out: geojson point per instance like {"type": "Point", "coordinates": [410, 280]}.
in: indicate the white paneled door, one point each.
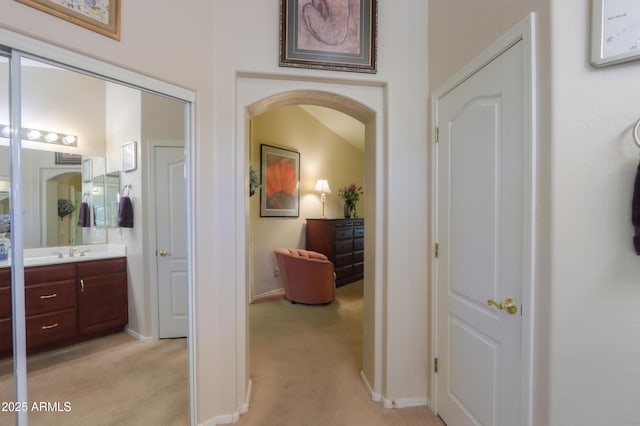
{"type": "Point", "coordinates": [171, 240]}
{"type": "Point", "coordinates": [482, 226]}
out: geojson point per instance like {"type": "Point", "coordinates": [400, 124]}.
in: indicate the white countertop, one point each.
{"type": "Point", "coordinates": [49, 256]}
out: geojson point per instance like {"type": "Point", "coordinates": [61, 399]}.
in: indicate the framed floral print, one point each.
{"type": "Point", "coordinates": [280, 191]}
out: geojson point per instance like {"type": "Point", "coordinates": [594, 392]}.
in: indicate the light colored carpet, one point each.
{"type": "Point", "coordinates": [113, 380]}
{"type": "Point", "coordinates": [305, 364]}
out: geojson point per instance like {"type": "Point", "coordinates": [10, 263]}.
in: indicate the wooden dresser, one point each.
{"type": "Point", "coordinates": [342, 241]}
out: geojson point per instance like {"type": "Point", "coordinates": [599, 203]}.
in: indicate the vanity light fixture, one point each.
{"type": "Point", "coordinates": [44, 136]}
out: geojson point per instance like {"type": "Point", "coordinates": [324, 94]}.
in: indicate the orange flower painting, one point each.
{"type": "Point", "coordinates": [280, 172]}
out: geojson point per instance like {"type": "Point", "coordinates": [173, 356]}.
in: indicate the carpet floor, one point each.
{"type": "Point", "coordinates": [305, 364]}
{"type": "Point", "coordinates": [113, 380]}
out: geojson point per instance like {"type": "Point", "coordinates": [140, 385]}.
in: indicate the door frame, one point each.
{"type": "Point", "coordinates": [20, 45]}
{"type": "Point", "coordinates": [523, 32]}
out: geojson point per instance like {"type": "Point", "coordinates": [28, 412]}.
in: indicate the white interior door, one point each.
{"type": "Point", "coordinates": [482, 230]}
{"type": "Point", "coordinates": [171, 240]}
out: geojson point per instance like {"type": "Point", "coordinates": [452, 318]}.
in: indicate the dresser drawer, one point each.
{"type": "Point", "coordinates": [343, 273]}
{"type": "Point", "coordinates": [358, 256]}
{"type": "Point", "coordinates": [343, 233]}
{"type": "Point", "coordinates": [43, 298]}
{"type": "Point", "coordinates": [358, 232]}
{"type": "Point", "coordinates": [358, 268]}
{"type": "Point", "coordinates": [345, 246]}
{"type": "Point", "coordinates": [358, 244]}
{"type": "Point", "coordinates": [50, 328]}
{"type": "Point", "coordinates": [343, 260]}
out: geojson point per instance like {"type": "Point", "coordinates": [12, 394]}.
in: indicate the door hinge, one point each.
{"type": "Point", "coordinates": [437, 249]}
{"type": "Point", "coordinates": [435, 365]}
{"type": "Point", "coordinates": [437, 135]}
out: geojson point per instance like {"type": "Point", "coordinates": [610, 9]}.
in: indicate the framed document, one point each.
{"type": "Point", "coordinates": [615, 31]}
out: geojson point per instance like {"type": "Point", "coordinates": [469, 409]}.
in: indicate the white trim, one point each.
{"type": "Point", "coordinates": [525, 32]}
{"type": "Point", "coordinates": [373, 395]}
{"type": "Point", "coordinates": [138, 336]}
{"type": "Point", "coordinates": [247, 402]}
{"type": "Point", "coordinates": [276, 292]}
{"type": "Point", "coordinates": [410, 402]}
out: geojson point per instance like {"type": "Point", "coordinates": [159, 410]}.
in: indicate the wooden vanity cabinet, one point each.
{"type": "Point", "coordinates": [5, 310]}
{"type": "Point", "coordinates": [102, 295]}
{"type": "Point", "coordinates": [67, 303]}
{"type": "Point", "coordinates": [51, 307]}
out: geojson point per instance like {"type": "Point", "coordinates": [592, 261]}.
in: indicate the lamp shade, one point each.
{"type": "Point", "coordinates": [322, 186]}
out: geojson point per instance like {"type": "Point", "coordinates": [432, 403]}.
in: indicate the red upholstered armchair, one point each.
{"type": "Point", "coordinates": [307, 276]}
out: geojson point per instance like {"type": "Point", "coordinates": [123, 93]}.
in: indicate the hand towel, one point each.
{"type": "Point", "coordinates": [84, 219]}
{"type": "Point", "coordinates": [635, 212]}
{"type": "Point", "coordinates": [125, 213]}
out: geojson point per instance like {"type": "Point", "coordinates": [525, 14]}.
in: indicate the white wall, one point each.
{"type": "Point", "coordinates": [595, 280]}
{"type": "Point", "coordinates": [200, 36]}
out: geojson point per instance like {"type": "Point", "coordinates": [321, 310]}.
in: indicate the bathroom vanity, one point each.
{"type": "Point", "coordinates": [67, 299]}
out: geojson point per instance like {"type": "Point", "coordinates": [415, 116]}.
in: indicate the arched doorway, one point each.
{"type": "Point", "coordinates": [256, 95]}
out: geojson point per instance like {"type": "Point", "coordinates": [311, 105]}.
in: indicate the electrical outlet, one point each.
{"type": "Point", "coordinates": [276, 272]}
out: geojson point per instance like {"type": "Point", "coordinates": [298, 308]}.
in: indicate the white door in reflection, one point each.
{"type": "Point", "coordinates": [171, 240]}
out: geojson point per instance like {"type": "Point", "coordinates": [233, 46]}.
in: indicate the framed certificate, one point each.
{"type": "Point", "coordinates": [615, 31]}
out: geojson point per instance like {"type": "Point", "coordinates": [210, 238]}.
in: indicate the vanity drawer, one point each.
{"type": "Point", "coordinates": [43, 298]}
{"type": "Point", "coordinates": [102, 267]}
{"type": "Point", "coordinates": [51, 328]}
{"type": "Point", "coordinates": [49, 274]}
{"type": "Point", "coordinates": [5, 302]}
{"type": "Point", "coordinates": [5, 277]}
{"type": "Point", "coordinates": [6, 335]}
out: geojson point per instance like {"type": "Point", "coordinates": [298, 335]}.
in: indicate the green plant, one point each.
{"type": "Point", "coordinates": [65, 207]}
{"type": "Point", "coordinates": [254, 180]}
{"type": "Point", "coordinates": [350, 194]}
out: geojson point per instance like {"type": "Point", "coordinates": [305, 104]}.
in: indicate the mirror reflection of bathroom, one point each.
{"type": "Point", "coordinates": [59, 175]}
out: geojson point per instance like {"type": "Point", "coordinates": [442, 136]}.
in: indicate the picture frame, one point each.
{"type": "Point", "coordinates": [87, 170]}
{"type": "Point", "coordinates": [129, 156]}
{"type": "Point", "coordinates": [101, 16]}
{"type": "Point", "coordinates": [62, 158]}
{"type": "Point", "coordinates": [342, 39]}
{"type": "Point", "coordinates": [615, 31]}
{"type": "Point", "coordinates": [280, 175]}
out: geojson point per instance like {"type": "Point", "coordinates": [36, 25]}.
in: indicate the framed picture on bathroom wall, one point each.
{"type": "Point", "coordinates": [129, 156]}
{"type": "Point", "coordinates": [338, 35]}
{"type": "Point", "coordinates": [280, 173]}
{"type": "Point", "coordinates": [101, 16]}
{"type": "Point", "coordinates": [70, 159]}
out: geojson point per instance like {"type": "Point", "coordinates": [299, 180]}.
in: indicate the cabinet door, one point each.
{"type": "Point", "coordinates": [102, 302]}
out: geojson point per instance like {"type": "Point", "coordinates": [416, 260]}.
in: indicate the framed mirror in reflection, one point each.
{"type": "Point", "coordinates": [52, 195]}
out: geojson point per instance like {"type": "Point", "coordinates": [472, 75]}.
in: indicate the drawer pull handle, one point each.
{"type": "Point", "coordinates": [48, 296]}
{"type": "Point", "coordinates": [81, 286]}
{"type": "Point", "coordinates": [48, 327]}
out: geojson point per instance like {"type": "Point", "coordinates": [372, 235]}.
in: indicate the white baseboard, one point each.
{"type": "Point", "coordinates": [276, 292]}
{"type": "Point", "coordinates": [388, 403]}
{"type": "Point", "coordinates": [231, 418]}
{"type": "Point", "coordinates": [137, 335]}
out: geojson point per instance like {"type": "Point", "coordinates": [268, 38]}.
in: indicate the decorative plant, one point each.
{"type": "Point", "coordinates": [350, 194]}
{"type": "Point", "coordinates": [5, 223]}
{"type": "Point", "coordinates": [254, 181]}
{"type": "Point", "coordinates": [65, 207]}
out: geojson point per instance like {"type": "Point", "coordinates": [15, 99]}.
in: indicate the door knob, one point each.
{"type": "Point", "coordinates": [508, 305]}
{"type": "Point", "coordinates": [164, 253]}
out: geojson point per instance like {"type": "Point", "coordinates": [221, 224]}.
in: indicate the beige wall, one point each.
{"type": "Point", "coordinates": [323, 155]}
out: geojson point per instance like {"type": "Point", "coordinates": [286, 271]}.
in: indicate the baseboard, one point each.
{"type": "Point", "coordinates": [373, 395]}
{"type": "Point", "coordinates": [276, 292]}
{"type": "Point", "coordinates": [231, 418]}
{"type": "Point", "coordinates": [137, 335]}
{"type": "Point", "coordinates": [388, 403]}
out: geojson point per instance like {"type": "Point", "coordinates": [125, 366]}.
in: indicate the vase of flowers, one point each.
{"type": "Point", "coordinates": [351, 195]}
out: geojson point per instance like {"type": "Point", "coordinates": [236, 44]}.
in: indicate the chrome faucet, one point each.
{"type": "Point", "coordinates": [84, 251]}
{"type": "Point", "coordinates": [58, 254]}
{"type": "Point", "coordinates": [72, 251]}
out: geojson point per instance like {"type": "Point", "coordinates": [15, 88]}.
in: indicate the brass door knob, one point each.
{"type": "Point", "coordinates": [164, 253]}
{"type": "Point", "coordinates": [508, 305]}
